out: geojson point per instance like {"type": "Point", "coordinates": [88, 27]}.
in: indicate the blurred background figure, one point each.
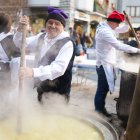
{"type": "Point", "coordinates": [87, 39]}
{"type": "Point", "coordinates": [8, 50]}
{"type": "Point", "coordinates": [133, 42]}
{"type": "Point", "coordinates": [78, 45]}
{"type": "Point", "coordinates": [9, 58]}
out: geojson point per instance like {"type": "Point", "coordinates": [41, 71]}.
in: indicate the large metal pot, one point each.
{"type": "Point", "coordinates": [129, 73]}
{"type": "Point", "coordinates": [104, 129]}
{"type": "Point", "coordinates": [107, 130]}
{"type": "Point", "coordinates": [34, 119]}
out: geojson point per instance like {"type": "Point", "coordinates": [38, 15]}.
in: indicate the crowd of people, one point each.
{"type": "Point", "coordinates": [55, 51]}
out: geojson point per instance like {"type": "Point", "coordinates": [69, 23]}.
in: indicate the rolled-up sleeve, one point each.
{"type": "Point", "coordinates": [122, 29]}
{"type": "Point", "coordinates": [111, 39]}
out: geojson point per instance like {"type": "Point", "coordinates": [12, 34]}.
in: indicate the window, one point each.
{"type": "Point", "coordinates": [133, 11]}
{"type": "Point", "coordinates": [137, 11]}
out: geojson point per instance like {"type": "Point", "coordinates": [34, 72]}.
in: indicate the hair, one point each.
{"type": "Point", "coordinates": [114, 20]}
{"type": "Point", "coordinates": [138, 29]}
{"type": "Point", "coordinates": [5, 22]}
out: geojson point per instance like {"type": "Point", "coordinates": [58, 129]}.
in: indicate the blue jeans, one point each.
{"type": "Point", "coordinates": [102, 89]}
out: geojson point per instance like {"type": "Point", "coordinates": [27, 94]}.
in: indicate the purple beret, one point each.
{"type": "Point", "coordinates": [57, 14]}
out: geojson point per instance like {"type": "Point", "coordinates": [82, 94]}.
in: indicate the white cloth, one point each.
{"type": "Point", "coordinates": [109, 71]}
{"type": "Point", "coordinates": [59, 65]}
{"type": "Point", "coordinates": [106, 46]}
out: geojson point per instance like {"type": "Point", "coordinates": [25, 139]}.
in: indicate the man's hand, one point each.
{"type": "Point", "coordinates": [24, 20]}
{"type": "Point", "coordinates": [25, 72]}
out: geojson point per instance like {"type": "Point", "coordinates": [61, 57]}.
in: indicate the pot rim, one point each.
{"type": "Point", "coordinates": [105, 128]}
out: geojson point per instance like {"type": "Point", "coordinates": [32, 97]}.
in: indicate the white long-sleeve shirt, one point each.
{"type": "Point", "coordinates": [58, 67]}
{"type": "Point", "coordinates": [107, 43]}
{"type": "Point", "coordinates": [106, 46]}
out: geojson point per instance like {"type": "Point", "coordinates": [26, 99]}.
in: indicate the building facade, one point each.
{"type": "Point", "coordinates": [12, 7]}
{"type": "Point", "coordinates": [132, 8]}
{"type": "Point", "coordinates": [83, 15]}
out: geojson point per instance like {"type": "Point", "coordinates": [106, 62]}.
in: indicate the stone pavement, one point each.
{"type": "Point", "coordinates": [85, 90]}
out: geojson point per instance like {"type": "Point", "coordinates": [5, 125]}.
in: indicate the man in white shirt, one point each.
{"type": "Point", "coordinates": [54, 57]}
{"type": "Point", "coordinates": [106, 46]}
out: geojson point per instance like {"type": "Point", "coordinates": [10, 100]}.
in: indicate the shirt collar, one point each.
{"type": "Point", "coordinates": [60, 36]}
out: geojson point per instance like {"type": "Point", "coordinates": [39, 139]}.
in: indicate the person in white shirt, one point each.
{"type": "Point", "coordinates": [8, 53]}
{"type": "Point", "coordinates": [9, 56]}
{"type": "Point", "coordinates": [106, 46]}
{"type": "Point", "coordinates": [54, 55]}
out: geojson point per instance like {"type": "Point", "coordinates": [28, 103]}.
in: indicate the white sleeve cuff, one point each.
{"type": "Point", "coordinates": [36, 72]}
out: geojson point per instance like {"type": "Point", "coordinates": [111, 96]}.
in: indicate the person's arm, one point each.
{"type": "Point", "coordinates": [58, 67]}
{"type": "Point", "coordinates": [31, 42]}
{"type": "Point", "coordinates": [122, 29]}
{"type": "Point", "coordinates": [111, 39]}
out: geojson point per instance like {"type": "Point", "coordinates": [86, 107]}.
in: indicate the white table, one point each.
{"type": "Point", "coordinates": [82, 66]}
{"type": "Point", "coordinates": [83, 61]}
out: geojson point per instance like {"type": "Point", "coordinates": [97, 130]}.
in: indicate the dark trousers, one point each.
{"type": "Point", "coordinates": [102, 89]}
